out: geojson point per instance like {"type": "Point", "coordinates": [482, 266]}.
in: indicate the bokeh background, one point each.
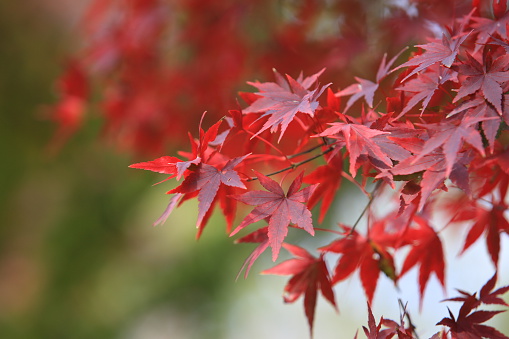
{"type": "Point", "coordinates": [80, 259]}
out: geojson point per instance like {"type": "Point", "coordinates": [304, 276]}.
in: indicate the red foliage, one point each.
{"type": "Point", "coordinates": [435, 122]}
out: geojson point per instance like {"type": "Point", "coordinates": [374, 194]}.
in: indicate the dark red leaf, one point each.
{"type": "Point", "coordinates": [310, 274]}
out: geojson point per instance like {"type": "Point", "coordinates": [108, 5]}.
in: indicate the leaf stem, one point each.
{"type": "Point", "coordinates": [297, 164]}
{"type": "Point", "coordinates": [306, 151]}
{"type": "Point", "coordinates": [371, 197]}
{"type": "Point", "coordinates": [410, 323]}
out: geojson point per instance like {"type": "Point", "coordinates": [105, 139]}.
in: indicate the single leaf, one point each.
{"type": "Point", "coordinates": [310, 274]}
{"type": "Point", "coordinates": [443, 52]}
{"type": "Point", "coordinates": [258, 236]}
{"type": "Point", "coordinates": [359, 252]}
{"type": "Point", "coordinates": [488, 77]}
{"type": "Point", "coordinates": [281, 209]}
{"type": "Point", "coordinates": [329, 178]}
{"type": "Point", "coordinates": [424, 87]}
{"type": "Point", "coordinates": [426, 252]}
{"type": "Point", "coordinates": [366, 88]}
{"type": "Point", "coordinates": [360, 140]}
{"type": "Point", "coordinates": [207, 179]}
{"type": "Point", "coordinates": [281, 101]}
{"type": "Point", "coordinates": [167, 165]}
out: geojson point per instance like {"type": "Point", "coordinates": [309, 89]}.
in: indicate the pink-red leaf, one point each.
{"type": "Point", "coordinates": [278, 208]}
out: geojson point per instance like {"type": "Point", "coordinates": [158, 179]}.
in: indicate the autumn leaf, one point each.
{"type": "Point", "coordinates": [450, 135]}
{"type": "Point", "coordinates": [329, 178]}
{"type": "Point", "coordinates": [478, 107]}
{"type": "Point", "coordinates": [366, 88]}
{"type": "Point", "coordinates": [489, 220]}
{"type": "Point", "coordinates": [424, 86]}
{"type": "Point", "coordinates": [488, 77]}
{"type": "Point", "coordinates": [375, 331]}
{"type": "Point", "coordinates": [309, 274]}
{"type": "Point", "coordinates": [258, 236]}
{"type": "Point", "coordinates": [468, 324]}
{"type": "Point", "coordinates": [281, 209]}
{"type": "Point", "coordinates": [443, 52]}
{"type": "Point", "coordinates": [360, 140]}
{"type": "Point", "coordinates": [485, 28]}
{"type": "Point", "coordinates": [207, 179]}
{"type": "Point", "coordinates": [281, 101]}
{"type": "Point", "coordinates": [359, 252]}
{"type": "Point", "coordinates": [486, 295]}
{"type": "Point", "coordinates": [426, 252]}
{"type": "Point", "coordinates": [167, 165]}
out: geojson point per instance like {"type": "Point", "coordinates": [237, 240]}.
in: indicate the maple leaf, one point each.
{"type": "Point", "coordinates": [487, 77]}
{"type": "Point", "coordinates": [486, 296]}
{"type": "Point", "coordinates": [443, 52]}
{"type": "Point", "coordinates": [375, 331]}
{"type": "Point", "coordinates": [281, 101]}
{"type": "Point", "coordinates": [489, 220]}
{"type": "Point", "coordinates": [468, 325]}
{"type": "Point", "coordinates": [310, 274]}
{"type": "Point", "coordinates": [485, 28]}
{"type": "Point", "coordinates": [424, 87]}
{"type": "Point", "coordinates": [258, 236]}
{"type": "Point", "coordinates": [479, 108]}
{"type": "Point", "coordinates": [279, 208]}
{"type": "Point", "coordinates": [450, 136]}
{"type": "Point", "coordinates": [329, 178]}
{"type": "Point", "coordinates": [430, 170]}
{"type": "Point", "coordinates": [207, 179]}
{"type": "Point", "coordinates": [426, 251]}
{"type": "Point", "coordinates": [366, 88]}
{"type": "Point", "coordinates": [359, 141]}
{"type": "Point", "coordinates": [167, 165]}
{"type": "Point", "coordinates": [359, 252]}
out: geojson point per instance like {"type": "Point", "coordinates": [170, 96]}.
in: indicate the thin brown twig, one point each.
{"type": "Point", "coordinates": [306, 151]}
{"type": "Point", "coordinates": [371, 197]}
{"type": "Point", "coordinates": [297, 164]}
{"type": "Point", "coordinates": [410, 323]}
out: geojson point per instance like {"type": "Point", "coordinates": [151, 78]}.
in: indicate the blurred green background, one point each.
{"type": "Point", "coordinates": [78, 255]}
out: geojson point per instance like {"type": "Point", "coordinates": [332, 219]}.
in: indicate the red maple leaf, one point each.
{"type": "Point", "coordinates": [486, 294]}
{"type": "Point", "coordinates": [469, 325]}
{"type": "Point", "coordinates": [488, 219]}
{"type": "Point", "coordinates": [167, 165]}
{"type": "Point", "coordinates": [443, 52]}
{"type": "Point", "coordinates": [375, 331]}
{"type": "Point", "coordinates": [258, 236]}
{"type": "Point", "coordinates": [281, 101]}
{"type": "Point", "coordinates": [424, 86]}
{"type": "Point", "coordinates": [488, 77]}
{"type": "Point", "coordinates": [426, 251]}
{"type": "Point", "coordinates": [486, 28]}
{"type": "Point", "coordinates": [360, 140]}
{"type": "Point", "coordinates": [478, 107]}
{"type": "Point", "coordinates": [363, 253]}
{"type": "Point", "coordinates": [207, 179]}
{"type": "Point", "coordinates": [329, 178]}
{"type": "Point", "coordinates": [279, 208]}
{"type": "Point", "coordinates": [310, 274]}
{"type": "Point", "coordinates": [450, 135]}
{"type": "Point", "coordinates": [366, 88]}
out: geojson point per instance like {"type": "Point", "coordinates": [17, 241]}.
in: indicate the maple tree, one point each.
{"type": "Point", "coordinates": [431, 130]}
